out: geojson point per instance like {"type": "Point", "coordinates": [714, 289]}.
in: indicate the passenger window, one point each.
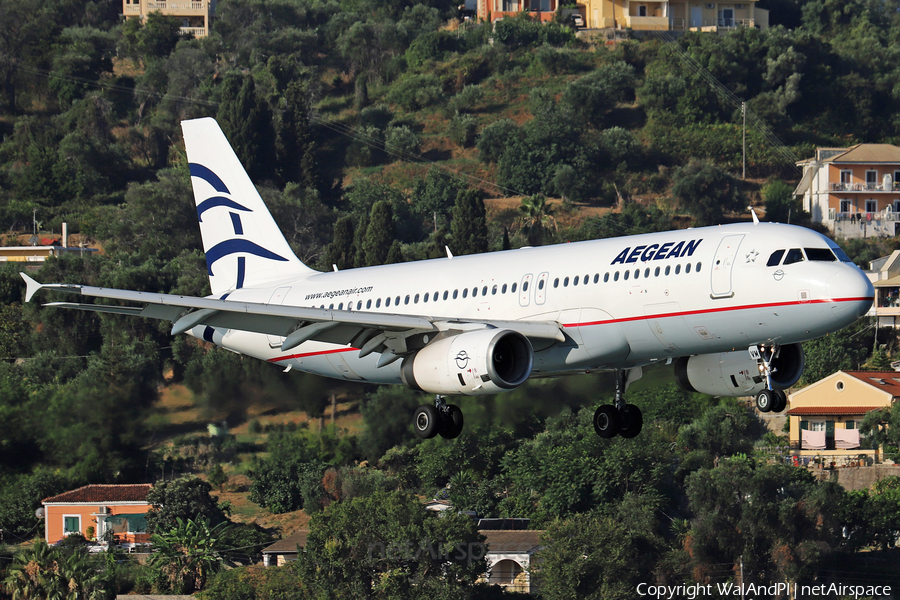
{"type": "Point", "coordinates": [341, 306]}
{"type": "Point", "coordinates": [819, 254]}
{"type": "Point", "coordinates": [775, 258]}
{"type": "Point", "coordinates": [387, 302]}
{"type": "Point", "coordinates": [524, 286]}
{"type": "Point", "coordinates": [407, 299]}
{"type": "Point", "coordinates": [513, 288]}
{"type": "Point", "coordinates": [484, 291]}
{"type": "Point", "coordinates": [596, 277]}
{"type": "Point", "coordinates": [698, 267]}
{"type": "Point", "coordinates": [474, 292]}
{"type": "Point", "coordinates": [446, 293]}
{"type": "Point", "coordinates": [656, 272]}
{"type": "Point", "coordinates": [575, 281]}
{"type": "Point", "coordinates": [455, 294]}
{"type": "Point", "coordinates": [637, 273]}
{"type": "Point", "coordinates": [556, 282]}
{"type": "Point", "coordinates": [668, 269]}
{"type": "Point", "coordinates": [465, 292]}
{"type": "Point", "coordinates": [616, 276]}
{"type": "Point", "coordinates": [586, 279]}
{"type": "Point", "coordinates": [541, 284]}
{"type": "Point", "coordinates": [794, 255]}
{"type": "Point", "coordinates": [330, 306]}
{"type": "Point", "coordinates": [425, 297]}
{"type": "Point", "coordinates": [605, 277]}
{"type": "Point", "coordinates": [566, 282]}
{"type": "Point", "coordinates": [687, 268]}
{"type": "Point", "coordinates": [435, 297]}
{"type": "Point", "coordinates": [627, 275]}
{"type": "Point", "coordinates": [503, 289]}
{"type": "Point", "coordinates": [494, 290]}
{"type": "Point", "coordinates": [677, 269]}
{"type": "Point", "coordinates": [646, 272]}
{"type": "Point", "coordinates": [397, 301]}
{"type": "Point", "coordinates": [359, 305]}
{"type": "Point", "coordinates": [416, 299]}
{"type": "Point", "coordinates": [378, 303]}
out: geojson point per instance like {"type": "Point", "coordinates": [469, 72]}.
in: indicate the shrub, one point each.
{"type": "Point", "coordinates": [415, 92]}
{"type": "Point", "coordinates": [518, 31]}
{"type": "Point", "coordinates": [466, 99]}
{"type": "Point", "coordinates": [494, 138]}
{"type": "Point", "coordinates": [462, 130]}
{"type": "Point", "coordinates": [367, 148]}
{"type": "Point", "coordinates": [375, 116]}
{"type": "Point", "coordinates": [434, 45]}
{"type": "Point", "coordinates": [401, 142]}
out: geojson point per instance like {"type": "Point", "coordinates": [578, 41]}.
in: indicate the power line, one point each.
{"type": "Point", "coordinates": [728, 96]}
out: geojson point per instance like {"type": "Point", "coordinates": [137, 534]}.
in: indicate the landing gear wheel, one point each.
{"type": "Point", "coordinates": [631, 421]}
{"type": "Point", "coordinates": [452, 423]}
{"type": "Point", "coordinates": [426, 421]}
{"type": "Point", "coordinates": [780, 401]}
{"type": "Point", "coordinates": [607, 422]}
{"type": "Point", "coordinates": [765, 400]}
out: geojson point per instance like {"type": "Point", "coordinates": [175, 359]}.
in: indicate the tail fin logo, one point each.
{"type": "Point", "coordinates": [236, 245]}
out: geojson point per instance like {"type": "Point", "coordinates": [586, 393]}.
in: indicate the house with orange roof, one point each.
{"type": "Point", "coordinates": [853, 191]}
{"type": "Point", "coordinates": [825, 416]}
{"type": "Point", "coordinates": [94, 510]}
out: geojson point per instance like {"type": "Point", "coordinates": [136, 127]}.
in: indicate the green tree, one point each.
{"type": "Point", "coordinates": [385, 546]}
{"type": "Point", "coordinates": [174, 502]}
{"type": "Point", "coordinates": [468, 227]}
{"type": "Point", "coordinates": [185, 556]}
{"type": "Point", "coordinates": [536, 218]}
{"type": "Point", "coordinates": [295, 149]}
{"type": "Point", "coordinates": [781, 204]}
{"type": "Point", "coordinates": [341, 251]}
{"type": "Point", "coordinates": [247, 123]}
{"type": "Point", "coordinates": [379, 234]}
{"type": "Point", "coordinates": [706, 191]}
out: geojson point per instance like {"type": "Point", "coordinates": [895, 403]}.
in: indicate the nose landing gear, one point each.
{"type": "Point", "coordinates": [440, 418]}
{"type": "Point", "coordinates": [768, 399]}
{"type": "Point", "coordinates": [622, 419]}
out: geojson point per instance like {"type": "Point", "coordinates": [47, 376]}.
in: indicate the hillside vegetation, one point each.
{"type": "Point", "coordinates": [382, 131]}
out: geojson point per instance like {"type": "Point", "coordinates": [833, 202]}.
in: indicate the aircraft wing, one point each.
{"type": "Point", "coordinates": [368, 330]}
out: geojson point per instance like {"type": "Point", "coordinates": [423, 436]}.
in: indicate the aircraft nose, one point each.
{"type": "Point", "coordinates": [851, 289]}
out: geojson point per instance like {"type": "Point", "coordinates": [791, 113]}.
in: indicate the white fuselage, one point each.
{"type": "Point", "coordinates": [623, 302]}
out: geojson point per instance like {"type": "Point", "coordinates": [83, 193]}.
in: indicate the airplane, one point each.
{"type": "Point", "coordinates": [728, 305]}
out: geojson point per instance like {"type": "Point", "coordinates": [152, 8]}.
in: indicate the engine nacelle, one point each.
{"type": "Point", "coordinates": [474, 363]}
{"type": "Point", "coordinates": [736, 374]}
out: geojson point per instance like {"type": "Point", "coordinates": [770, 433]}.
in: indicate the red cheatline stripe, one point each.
{"type": "Point", "coordinates": [712, 310]}
{"type": "Point", "coordinates": [305, 354]}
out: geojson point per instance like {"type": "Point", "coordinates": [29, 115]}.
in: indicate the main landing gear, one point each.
{"type": "Point", "coordinates": [440, 418]}
{"type": "Point", "coordinates": [622, 419]}
{"type": "Point", "coordinates": [769, 399]}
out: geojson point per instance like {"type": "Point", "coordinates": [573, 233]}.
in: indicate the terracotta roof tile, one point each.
{"type": "Point", "coordinates": [99, 494]}
{"type": "Point", "coordinates": [831, 410]}
{"type": "Point", "coordinates": [888, 381]}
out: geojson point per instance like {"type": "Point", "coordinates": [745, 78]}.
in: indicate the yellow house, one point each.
{"type": "Point", "coordinates": [195, 15]}
{"type": "Point", "coordinates": [673, 15]}
{"type": "Point", "coordinates": [825, 416]}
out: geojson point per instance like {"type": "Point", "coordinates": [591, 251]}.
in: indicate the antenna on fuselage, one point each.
{"type": "Point", "coordinates": [755, 218]}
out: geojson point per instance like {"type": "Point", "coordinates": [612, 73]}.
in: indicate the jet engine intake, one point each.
{"type": "Point", "coordinates": [736, 374]}
{"type": "Point", "coordinates": [474, 363]}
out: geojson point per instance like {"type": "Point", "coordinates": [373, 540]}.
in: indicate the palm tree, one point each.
{"type": "Point", "coordinates": [536, 216]}
{"type": "Point", "coordinates": [186, 555]}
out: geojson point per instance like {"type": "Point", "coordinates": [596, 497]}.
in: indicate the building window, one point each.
{"type": "Point", "coordinates": [817, 425]}
{"type": "Point", "coordinates": [871, 206]}
{"type": "Point", "coordinates": [71, 524]}
{"type": "Point", "coordinates": [871, 179]}
{"type": "Point", "coordinates": [846, 177]}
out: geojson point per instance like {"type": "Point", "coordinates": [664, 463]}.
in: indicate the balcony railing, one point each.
{"type": "Point", "coordinates": [198, 32]}
{"type": "Point", "coordinates": [724, 23]}
{"type": "Point", "coordinates": [865, 187]}
{"type": "Point", "coordinates": [183, 5]}
{"type": "Point", "coordinates": [883, 215]}
{"type": "Point", "coordinates": [132, 9]}
{"type": "Point", "coordinates": [656, 23]}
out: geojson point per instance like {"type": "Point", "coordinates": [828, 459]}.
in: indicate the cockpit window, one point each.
{"type": "Point", "coordinates": [819, 254]}
{"type": "Point", "coordinates": [775, 258]}
{"type": "Point", "coordinates": [842, 256]}
{"type": "Point", "coordinates": [794, 255]}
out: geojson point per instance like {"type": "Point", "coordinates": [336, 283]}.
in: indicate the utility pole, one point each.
{"type": "Point", "coordinates": [742, 577]}
{"type": "Point", "coordinates": [744, 138]}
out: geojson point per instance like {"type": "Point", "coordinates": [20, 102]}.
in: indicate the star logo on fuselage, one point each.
{"type": "Point", "coordinates": [751, 256]}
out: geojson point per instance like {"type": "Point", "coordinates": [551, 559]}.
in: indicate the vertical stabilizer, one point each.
{"type": "Point", "coordinates": [243, 245]}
